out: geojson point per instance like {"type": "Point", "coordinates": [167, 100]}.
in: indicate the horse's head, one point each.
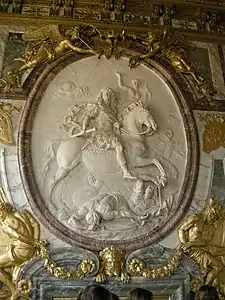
{"type": "Point", "coordinates": [143, 116]}
{"type": "Point", "coordinates": [137, 113]}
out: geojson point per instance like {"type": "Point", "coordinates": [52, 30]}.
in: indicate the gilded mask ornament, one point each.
{"type": "Point", "coordinates": [112, 264]}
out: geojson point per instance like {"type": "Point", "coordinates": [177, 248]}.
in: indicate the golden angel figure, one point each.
{"type": "Point", "coordinates": [50, 44]}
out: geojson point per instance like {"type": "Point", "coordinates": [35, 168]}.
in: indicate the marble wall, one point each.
{"type": "Point", "coordinates": [210, 182]}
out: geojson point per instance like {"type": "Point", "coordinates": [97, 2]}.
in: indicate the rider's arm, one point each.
{"type": "Point", "coordinates": [85, 122]}
{"type": "Point", "coordinates": [77, 49]}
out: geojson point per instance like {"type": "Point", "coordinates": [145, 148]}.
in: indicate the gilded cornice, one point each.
{"type": "Point", "coordinates": [198, 20]}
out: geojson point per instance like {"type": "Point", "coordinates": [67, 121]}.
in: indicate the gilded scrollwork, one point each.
{"type": "Point", "coordinates": [214, 132]}
{"type": "Point", "coordinates": [11, 81]}
{"type": "Point", "coordinates": [202, 238]}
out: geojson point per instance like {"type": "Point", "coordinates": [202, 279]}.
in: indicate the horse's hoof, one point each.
{"type": "Point", "coordinates": [129, 176]}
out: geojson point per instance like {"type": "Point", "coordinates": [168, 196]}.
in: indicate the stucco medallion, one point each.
{"type": "Point", "coordinates": [108, 155]}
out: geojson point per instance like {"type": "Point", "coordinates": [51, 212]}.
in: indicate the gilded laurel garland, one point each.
{"type": "Point", "coordinates": [137, 267]}
{"type": "Point", "coordinates": [48, 42]}
{"type": "Point", "coordinates": [87, 266]}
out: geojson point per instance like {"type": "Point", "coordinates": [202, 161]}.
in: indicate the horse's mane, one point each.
{"type": "Point", "coordinates": [130, 107]}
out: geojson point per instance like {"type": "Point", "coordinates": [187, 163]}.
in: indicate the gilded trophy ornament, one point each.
{"type": "Point", "coordinates": [112, 264]}
{"type": "Point", "coordinates": [113, 44]}
{"type": "Point", "coordinates": [202, 238]}
{"type": "Point", "coordinates": [214, 132]}
{"type": "Point", "coordinates": [22, 233]}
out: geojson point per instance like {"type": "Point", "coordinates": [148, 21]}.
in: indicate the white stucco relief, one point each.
{"type": "Point", "coordinates": [108, 154]}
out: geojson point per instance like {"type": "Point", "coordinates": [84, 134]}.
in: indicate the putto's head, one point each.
{"type": "Point", "coordinates": [136, 84]}
{"type": "Point", "coordinates": [75, 33]}
{"type": "Point", "coordinates": [213, 211]}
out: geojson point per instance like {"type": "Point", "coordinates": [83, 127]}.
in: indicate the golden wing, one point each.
{"type": "Point", "coordinates": [42, 33]}
{"type": "Point", "coordinates": [6, 130]}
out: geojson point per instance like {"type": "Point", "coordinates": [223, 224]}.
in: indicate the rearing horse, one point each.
{"type": "Point", "coordinates": [71, 151]}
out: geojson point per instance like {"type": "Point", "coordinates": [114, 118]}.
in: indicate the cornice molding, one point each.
{"type": "Point", "coordinates": [198, 20]}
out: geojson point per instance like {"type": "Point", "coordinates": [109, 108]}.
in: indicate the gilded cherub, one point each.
{"type": "Point", "coordinates": [155, 46]}
{"type": "Point", "coordinates": [172, 47]}
{"type": "Point", "coordinates": [202, 238]}
{"type": "Point", "coordinates": [50, 45]}
{"type": "Point", "coordinates": [24, 233]}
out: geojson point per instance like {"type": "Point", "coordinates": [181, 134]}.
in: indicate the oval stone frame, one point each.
{"type": "Point", "coordinates": [38, 82]}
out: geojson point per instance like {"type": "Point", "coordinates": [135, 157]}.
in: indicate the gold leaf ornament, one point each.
{"type": "Point", "coordinates": [24, 288]}
{"type": "Point", "coordinates": [6, 128]}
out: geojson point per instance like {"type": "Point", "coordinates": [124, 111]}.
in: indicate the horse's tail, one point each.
{"type": "Point", "coordinates": [50, 151]}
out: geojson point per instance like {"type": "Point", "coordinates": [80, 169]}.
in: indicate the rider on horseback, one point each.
{"type": "Point", "coordinates": [107, 127]}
